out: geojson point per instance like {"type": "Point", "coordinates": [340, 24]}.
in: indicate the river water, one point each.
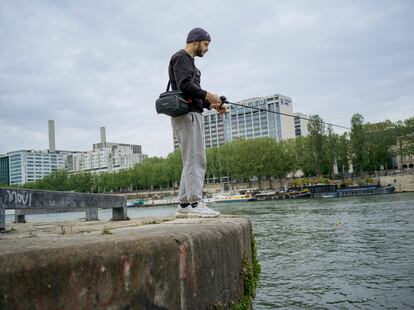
{"type": "Point", "coordinates": [332, 253]}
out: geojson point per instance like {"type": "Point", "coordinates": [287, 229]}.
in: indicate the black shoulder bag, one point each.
{"type": "Point", "coordinates": [172, 103]}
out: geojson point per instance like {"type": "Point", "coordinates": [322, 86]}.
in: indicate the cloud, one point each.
{"type": "Point", "coordinates": [101, 63]}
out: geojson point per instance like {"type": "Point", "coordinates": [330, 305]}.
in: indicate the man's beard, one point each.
{"type": "Point", "coordinates": [199, 52]}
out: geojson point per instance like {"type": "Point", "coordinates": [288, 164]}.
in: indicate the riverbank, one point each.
{"type": "Point", "coordinates": [403, 182]}
{"type": "Point", "coordinates": [153, 263]}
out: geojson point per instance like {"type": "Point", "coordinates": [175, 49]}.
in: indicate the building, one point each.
{"type": "Point", "coordinates": [404, 162]}
{"type": "Point", "coordinates": [243, 122]}
{"type": "Point", "coordinates": [30, 165]}
{"type": "Point", "coordinates": [4, 170]}
{"type": "Point", "coordinates": [301, 125]}
{"type": "Point", "coordinates": [246, 123]}
{"type": "Point", "coordinates": [105, 157]}
{"type": "Point", "coordinates": [404, 158]}
{"type": "Point", "coordinates": [213, 129]}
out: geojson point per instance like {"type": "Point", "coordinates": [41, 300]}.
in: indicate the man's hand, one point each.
{"type": "Point", "coordinates": [213, 98]}
{"type": "Point", "coordinates": [219, 107]}
{"type": "Point", "coordinates": [215, 103]}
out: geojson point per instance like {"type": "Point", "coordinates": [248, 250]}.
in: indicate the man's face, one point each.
{"type": "Point", "coordinates": [201, 48]}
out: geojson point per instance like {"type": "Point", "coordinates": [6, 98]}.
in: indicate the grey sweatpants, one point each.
{"type": "Point", "coordinates": [189, 130]}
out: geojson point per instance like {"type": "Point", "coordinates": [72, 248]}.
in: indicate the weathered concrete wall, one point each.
{"type": "Point", "coordinates": [403, 182]}
{"type": "Point", "coordinates": [176, 264]}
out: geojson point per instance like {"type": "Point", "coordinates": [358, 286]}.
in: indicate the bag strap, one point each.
{"type": "Point", "coordinates": [168, 85]}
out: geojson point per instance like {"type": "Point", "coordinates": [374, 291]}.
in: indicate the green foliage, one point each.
{"type": "Point", "coordinates": [358, 141]}
{"type": "Point", "coordinates": [106, 231]}
{"type": "Point", "coordinates": [316, 140]}
{"type": "Point", "coordinates": [369, 147]}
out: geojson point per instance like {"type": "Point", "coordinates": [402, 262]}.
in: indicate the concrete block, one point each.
{"type": "Point", "coordinates": [91, 214]}
{"type": "Point", "coordinates": [170, 264]}
{"type": "Point", "coordinates": [2, 217]}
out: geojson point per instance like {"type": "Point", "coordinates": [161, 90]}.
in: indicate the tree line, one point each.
{"type": "Point", "coordinates": [368, 147]}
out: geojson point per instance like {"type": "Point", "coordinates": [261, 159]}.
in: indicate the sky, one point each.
{"type": "Point", "coordinates": [88, 64]}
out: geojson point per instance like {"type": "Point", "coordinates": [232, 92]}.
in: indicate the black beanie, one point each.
{"type": "Point", "coordinates": [198, 34]}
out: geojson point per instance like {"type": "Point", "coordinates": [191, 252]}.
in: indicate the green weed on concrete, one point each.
{"type": "Point", "coordinates": [250, 276]}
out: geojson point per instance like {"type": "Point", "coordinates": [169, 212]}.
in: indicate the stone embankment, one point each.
{"type": "Point", "coordinates": [403, 182]}
{"type": "Point", "coordinates": [164, 263]}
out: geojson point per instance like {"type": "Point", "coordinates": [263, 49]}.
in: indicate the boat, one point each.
{"type": "Point", "coordinates": [329, 195]}
{"type": "Point", "coordinates": [162, 202]}
{"type": "Point", "coordinates": [266, 195]}
{"type": "Point", "coordinates": [358, 191]}
{"type": "Point", "coordinates": [283, 194]}
{"type": "Point", "coordinates": [232, 198]}
{"type": "Point", "coordinates": [321, 190]}
{"type": "Point", "coordinates": [304, 193]}
{"type": "Point", "coordinates": [365, 190]}
{"type": "Point", "coordinates": [135, 203]}
{"type": "Point", "coordinates": [289, 194]}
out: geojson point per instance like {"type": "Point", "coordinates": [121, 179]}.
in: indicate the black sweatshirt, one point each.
{"type": "Point", "coordinates": [185, 76]}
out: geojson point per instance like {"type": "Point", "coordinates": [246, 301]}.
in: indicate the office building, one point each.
{"type": "Point", "coordinates": [30, 165]}
{"type": "Point", "coordinates": [247, 123]}
{"type": "Point", "coordinates": [4, 170]}
{"type": "Point", "coordinates": [243, 122]}
{"type": "Point", "coordinates": [213, 129]}
{"type": "Point", "coordinates": [301, 125]}
{"type": "Point", "coordinates": [105, 157]}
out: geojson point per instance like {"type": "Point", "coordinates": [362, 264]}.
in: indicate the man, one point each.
{"type": "Point", "coordinates": [189, 128]}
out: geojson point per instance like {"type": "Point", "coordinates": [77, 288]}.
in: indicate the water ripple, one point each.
{"type": "Point", "coordinates": [350, 253]}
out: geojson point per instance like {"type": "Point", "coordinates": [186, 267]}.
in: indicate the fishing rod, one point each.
{"type": "Point", "coordinates": [224, 100]}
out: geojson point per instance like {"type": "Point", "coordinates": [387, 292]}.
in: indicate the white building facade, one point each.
{"type": "Point", "coordinates": [249, 123]}
{"type": "Point", "coordinates": [105, 157]}
{"type": "Point", "coordinates": [243, 122]}
{"type": "Point", "coordinates": [29, 165]}
{"type": "Point", "coordinates": [301, 125]}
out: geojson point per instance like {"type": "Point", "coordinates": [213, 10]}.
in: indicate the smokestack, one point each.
{"type": "Point", "coordinates": [52, 147]}
{"type": "Point", "coordinates": [103, 137]}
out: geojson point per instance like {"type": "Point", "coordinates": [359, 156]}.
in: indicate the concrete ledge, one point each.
{"type": "Point", "coordinates": [140, 264]}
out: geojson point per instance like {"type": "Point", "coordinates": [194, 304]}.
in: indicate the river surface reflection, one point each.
{"type": "Point", "coordinates": [337, 253]}
{"type": "Point", "coordinates": [332, 253]}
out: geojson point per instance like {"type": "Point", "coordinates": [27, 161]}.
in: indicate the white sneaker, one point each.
{"type": "Point", "coordinates": [183, 212]}
{"type": "Point", "coordinates": [202, 211]}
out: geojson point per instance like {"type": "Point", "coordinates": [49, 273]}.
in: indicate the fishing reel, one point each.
{"type": "Point", "coordinates": [223, 100]}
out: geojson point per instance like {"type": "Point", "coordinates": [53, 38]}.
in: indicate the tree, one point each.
{"type": "Point", "coordinates": [173, 167]}
{"type": "Point", "coordinates": [330, 151]}
{"type": "Point", "coordinates": [57, 180]}
{"type": "Point", "coordinates": [316, 130]}
{"type": "Point", "coordinates": [358, 142]}
{"type": "Point", "coordinates": [343, 154]}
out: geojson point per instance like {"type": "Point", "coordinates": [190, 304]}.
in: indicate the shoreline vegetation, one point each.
{"type": "Point", "coordinates": [368, 152]}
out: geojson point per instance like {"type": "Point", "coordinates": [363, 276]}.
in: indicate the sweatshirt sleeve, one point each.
{"type": "Point", "coordinates": [206, 104]}
{"type": "Point", "coordinates": [183, 72]}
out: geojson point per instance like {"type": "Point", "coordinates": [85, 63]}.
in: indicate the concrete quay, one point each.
{"type": "Point", "coordinates": [154, 263]}
{"type": "Point", "coordinates": [403, 182]}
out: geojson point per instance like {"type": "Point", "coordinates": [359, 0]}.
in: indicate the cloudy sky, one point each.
{"type": "Point", "coordinates": [87, 64]}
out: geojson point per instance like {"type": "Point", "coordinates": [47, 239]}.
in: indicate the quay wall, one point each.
{"type": "Point", "coordinates": [157, 264]}
{"type": "Point", "coordinates": [402, 182]}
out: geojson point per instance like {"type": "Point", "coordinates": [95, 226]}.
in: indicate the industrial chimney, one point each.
{"type": "Point", "coordinates": [103, 137]}
{"type": "Point", "coordinates": [52, 147]}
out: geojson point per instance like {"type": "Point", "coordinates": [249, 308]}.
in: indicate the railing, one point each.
{"type": "Point", "coordinates": [39, 201]}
